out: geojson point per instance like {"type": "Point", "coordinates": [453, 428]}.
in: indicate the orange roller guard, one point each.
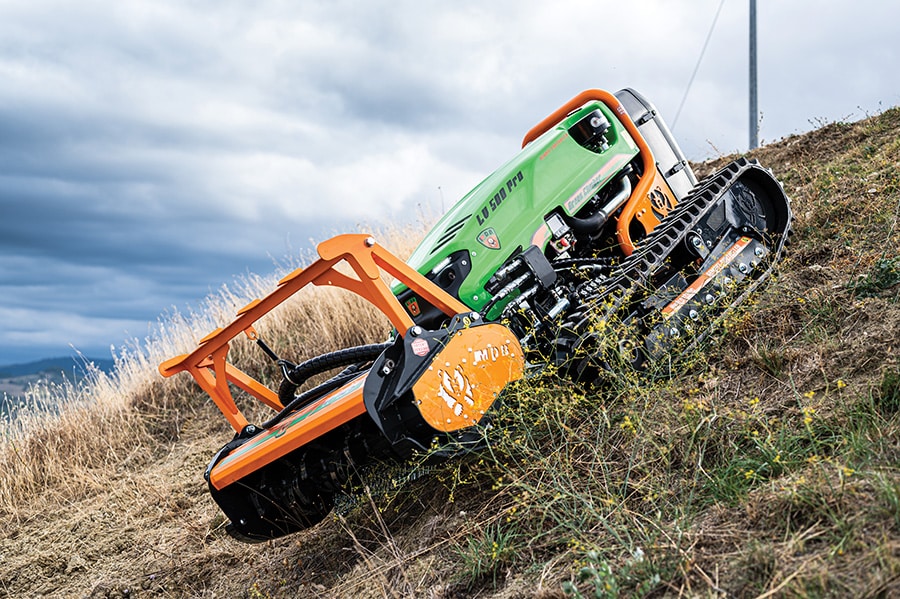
{"type": "Point", "coordinates": [467, 376]}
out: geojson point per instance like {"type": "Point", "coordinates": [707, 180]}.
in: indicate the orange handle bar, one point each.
{"type": "Point", "coordinates": [642, 189]}
{"type": "Point", "coordinates": [208, 365]}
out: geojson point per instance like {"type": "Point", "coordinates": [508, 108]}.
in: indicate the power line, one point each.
{"type": "Point", "coordinates": [754, 110]}
{"type": "Point", "coordinates": [697, 66]}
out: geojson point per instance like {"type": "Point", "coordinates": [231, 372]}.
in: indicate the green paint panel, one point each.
{"type": "Point", "coordinates": [507, 209]}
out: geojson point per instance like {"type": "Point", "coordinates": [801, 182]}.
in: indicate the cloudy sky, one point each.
{"type": "Point", "coordinates": [151, 151]}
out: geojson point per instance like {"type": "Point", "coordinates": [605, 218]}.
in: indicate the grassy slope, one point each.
{"type": "Point", "coordinates": [768, 466]}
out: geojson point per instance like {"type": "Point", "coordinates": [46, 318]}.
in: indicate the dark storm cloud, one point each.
{"type": "Point", "coordinates": [151, 151]}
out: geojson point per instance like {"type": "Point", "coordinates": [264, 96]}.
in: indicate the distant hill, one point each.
{"type": "Point", "coordinates": [65, 364]}
{"type": "Point", "coordinates": [16, 379]}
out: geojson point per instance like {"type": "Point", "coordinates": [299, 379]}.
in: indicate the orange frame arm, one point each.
{"type": "Point", "coordinates": [642, 189]}
{"type": "Point", "coordinates": [208, 364]}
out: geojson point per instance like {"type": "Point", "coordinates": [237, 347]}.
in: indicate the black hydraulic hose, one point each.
{"type": "Point", "coordinates": [299, 374]}
{"type": "Point", "coordinates": [500, 295]}
{"type": "Point", "coordinates": [588, 225]}
{"type": "Point", "coordinates": [591, 224]}
{"type": "Point", "coordinates": [355, 357]}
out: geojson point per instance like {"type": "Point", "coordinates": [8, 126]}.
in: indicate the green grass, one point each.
{"type": "Point", "coordinates": [633, 471]}
{"type": "Point", "coordinates": [884, 275]}
{"type": "Point", "coordinates": [485, 553]}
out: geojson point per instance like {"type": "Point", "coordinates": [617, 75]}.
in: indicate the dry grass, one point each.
{"type": "Point", "coordinates": [766, 466]}
{"type": "Point", "coordinates": [106, 454]}
{"type": "Point", "coordinates": [111, 419]}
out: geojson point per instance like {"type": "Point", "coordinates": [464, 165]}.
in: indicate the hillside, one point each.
{"type": "Point", "coordinates": [766, 466]}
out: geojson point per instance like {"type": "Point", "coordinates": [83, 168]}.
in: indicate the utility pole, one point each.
{"type": "Point", "coordinates": [754, 112]}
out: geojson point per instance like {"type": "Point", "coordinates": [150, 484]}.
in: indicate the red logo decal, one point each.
{"type": "Point", "coordinates": [488, 238]}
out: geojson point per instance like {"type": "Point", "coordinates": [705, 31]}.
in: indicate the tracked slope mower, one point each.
{"type": "Point", "coordinates": [594, 245]}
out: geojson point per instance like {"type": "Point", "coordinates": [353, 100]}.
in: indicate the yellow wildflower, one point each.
{"type": "Point", "coordinates": [807, 415]}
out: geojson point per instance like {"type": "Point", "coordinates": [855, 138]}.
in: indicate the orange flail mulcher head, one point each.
{"type": "Point", "coordinates": [280, 476]}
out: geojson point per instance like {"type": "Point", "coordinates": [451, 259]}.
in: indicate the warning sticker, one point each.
{"type": "Point", "coordinates": [419, 347]}
{"type": "Point", "coordinates": [713, 271]}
